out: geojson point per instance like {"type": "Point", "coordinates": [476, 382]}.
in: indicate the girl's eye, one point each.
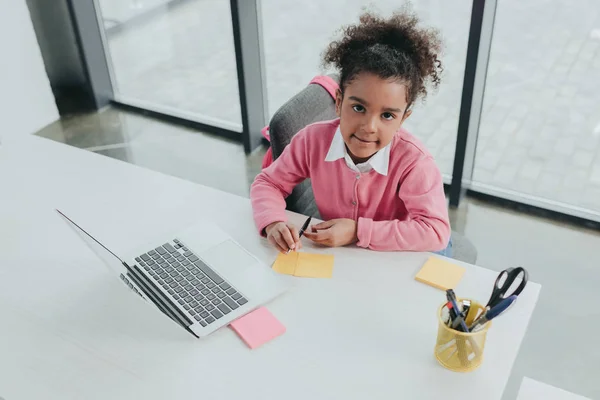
{"type": "Point", "coordinates": [358, 108]}
{"type": "Point", "coordinates": [388, 116]}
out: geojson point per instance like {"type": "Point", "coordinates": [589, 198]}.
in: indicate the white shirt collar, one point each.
{"type": "Point", "coordinates": [379, 161]}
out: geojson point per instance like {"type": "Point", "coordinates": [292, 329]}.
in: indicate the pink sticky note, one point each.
{"type": "Point", "coordinates": [258, 327]}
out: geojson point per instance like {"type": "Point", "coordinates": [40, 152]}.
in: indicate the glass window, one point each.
{"type": "Point", "coordinates": [540, 130]}
{"type": "Point", "coordinates": [175, 57]}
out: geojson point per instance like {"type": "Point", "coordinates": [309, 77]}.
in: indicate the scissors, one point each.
{"type": "Point", "coordinates": [504, 282]}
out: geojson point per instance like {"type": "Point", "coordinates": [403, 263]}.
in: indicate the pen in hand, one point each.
{"type": "Point", "coordinates": [302, 230]}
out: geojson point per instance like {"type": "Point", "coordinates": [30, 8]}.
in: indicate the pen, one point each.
{"type": "Point", "coordinates": [452, 298]}
{"type": "Point", "coordinates": [493, 313]}
{"type": "Point", "coordinates": [304, 228]}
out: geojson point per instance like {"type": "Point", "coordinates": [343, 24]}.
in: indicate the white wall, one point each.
{"type": "Point", "coordinates": [26, 100]}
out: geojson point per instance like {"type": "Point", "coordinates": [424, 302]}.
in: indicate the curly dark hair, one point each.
{"type": "Point", "coordinates": [393, 48]}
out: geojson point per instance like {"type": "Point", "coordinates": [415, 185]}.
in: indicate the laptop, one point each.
{"type": "Point", "coordinates": [200, 277]}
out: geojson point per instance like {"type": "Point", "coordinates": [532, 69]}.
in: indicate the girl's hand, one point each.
{"type": "Point", "coordinates": [333, 233]}
{"type": "Point", "coordinates": [283, 236]}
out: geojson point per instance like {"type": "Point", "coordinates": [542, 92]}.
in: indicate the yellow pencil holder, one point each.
{"type": "Point", "coordinates": [459, 351]}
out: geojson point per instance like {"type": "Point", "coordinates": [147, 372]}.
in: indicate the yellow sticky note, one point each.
{"type": "Point", "coordinates": [440, 274]}
{"type": "Point", "coordinates": [307, 265]}
{"type": "Point", "coordinates": [314, 265]}
{"type": "Point", "coordinates": [286, 263]}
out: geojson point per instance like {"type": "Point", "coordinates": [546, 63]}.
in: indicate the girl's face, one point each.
{"type": "Point", "coordinates": [371, 111]}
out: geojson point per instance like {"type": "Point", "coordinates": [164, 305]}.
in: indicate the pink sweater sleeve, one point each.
{"type": "Point", "coordinates": [276, 182]}
{"type": "Point", "coordinates": [427, 227]}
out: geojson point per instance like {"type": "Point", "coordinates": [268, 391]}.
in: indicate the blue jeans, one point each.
{"type": "Point", "coordinates": [447, 252]}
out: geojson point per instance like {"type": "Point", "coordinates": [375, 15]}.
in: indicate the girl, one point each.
{"type": "Point", "coordinates": [374, 183]}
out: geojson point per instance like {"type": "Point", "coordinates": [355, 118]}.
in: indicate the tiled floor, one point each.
{"type": "Point", "coordinates": [540, 132]}
{"type": "Point", "coordinates": [560, 346]}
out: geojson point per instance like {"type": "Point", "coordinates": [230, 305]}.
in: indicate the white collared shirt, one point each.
{"type": "Point", "coordinates": [379, 161]}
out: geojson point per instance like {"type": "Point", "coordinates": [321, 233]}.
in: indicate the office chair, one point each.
{"type": "Point", "coordinates": [316, 103]}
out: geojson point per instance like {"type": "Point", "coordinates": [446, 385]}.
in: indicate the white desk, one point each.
{"type": "Point", "coordinates": [70, 331]}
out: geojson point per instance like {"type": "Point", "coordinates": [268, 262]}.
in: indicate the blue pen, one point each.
{"type": "Point", "coordinates": [452, 299]}
{"type": "Point", "coordinates": [493, 313]}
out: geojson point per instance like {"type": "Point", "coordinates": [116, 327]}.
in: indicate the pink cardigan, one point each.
{"type": "Point", "coordinates": [405, 210]}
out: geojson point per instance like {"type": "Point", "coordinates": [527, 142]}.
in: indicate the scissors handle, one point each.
{"type": "Point", "coordinates": [504, 282]}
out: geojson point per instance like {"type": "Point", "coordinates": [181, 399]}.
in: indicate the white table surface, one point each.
{"type": "Point", "coordinates": [69, 330]}
{"type": "Point", "coordinates": [533, 390]}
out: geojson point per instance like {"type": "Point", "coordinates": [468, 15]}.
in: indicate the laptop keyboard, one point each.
{"type": "Point", "coordinates": [193, 284]}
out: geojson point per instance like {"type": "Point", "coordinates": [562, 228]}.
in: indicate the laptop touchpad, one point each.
{"type": "Point", "coordinates": [229, 259]}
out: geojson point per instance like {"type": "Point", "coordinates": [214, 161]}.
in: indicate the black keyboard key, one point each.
{"type": "Point", "coordinates": [181, 301]}
{"type": "Point", "coordinates": [232, 304]}
{"type": "Point", "coordinates": [156, 267]}
{"type": "Point", "coordinates": [178, 246]}
{"type": "Point", "coordinates": [224, 309]}
{"type": "Point", "coordinates": [216, 290]}
{"type": "Point", "coordinates": [179, 278]}
{"type": "Point", "coordinates": [152, 252]}
{"type": "Point", "coordinates": [168, 279]}
{"type": "Point", "coordinates": [201, 287]}
{"type": "Point", "coordinates": [194, 292]}
{"type": "Point", "coordinates": [185, 273]}
{"type": "Point", "coordinates": [204, 314]}
{"type": "Point", "coordinates": [200, 275]}
{"type": "Point", "coordinates": [210, 285]}
{"type": "Point", "coordinates": [169, 248]}
{"type": "Point", "coordinates": [194, 271]}
{"type": "Point", "coordinates": [199, 309]}
{"type": "Point", "coordinates": [176, 296]}
{"type": "Point", "coordinates": [160, 250]}
{"type": "Point", "coordinates": [203, 323]}
{"type": "Point", "coordinates": [178, 289]}
{"type": "Point", "coordinates": [195, 282]}
{"type": "Point", "coordinates": [145, 257]}
{"type": "Point", "coordinates": [169, 269]}
{"type": "Point", "coordinates": [181, 268]}
{"type": "Point", "coordinates": [138, 259]}
{"type": "Point", "coordinates": [188, 298]}
{"type": "Point", "coordinates": [216, 313]}
{"type": "Point", "coordinates": [205, 292]}
{"type": "Point", "coordinates": [204, 302]}
{"type": "Point", "coordinates": [156, 257]}
{"type": "Point", "coordinates": [151, 262]}
{"type": "Point", "coordinates": [209, 320]}
{"type": "Point", "coordinates": [211, 296]}
{"type": "Point", "coordinates": [198, 318]}
{"type": "Point", "coordinates": [188, 253]}
{"type": "Point", "coordinates": [188, 287]}
{"type": "Point", "coordinates": [173, 284]}
{"type": "Point", "coordinates": [224, 286]}
{"type": "Point", "coordinates": [185, 248]}
{"type": "Point", "coordinates": [209, 272]}
{"type": "Point", "coordinates": [210, 307]}
{"type": "Point", "coordinates": [185, 262]}
{"type": "Point", "coordinates": [163, 275]}
{"type": "Point", "coordinates": [216, 301]}
{"type": "Point", "coordinates": [186, 306]}
{"type": "Point", "coordinates": [205, 280]}
{"type": "Point", "coordinates": [147, 268]}
{"type": "Point", "coordinates": [171, 292]}
{"type": "Point", "coordinates": [242, 301]}
{"type": "Point", "coordinates": [230, 291]}
{"type": "Point", "coordinates": [181, 258]}
{"type": "Point", "coordinates": [221, 295]}
{"type": "Point", "coordinates": [176, 241]}
{"type": "Point", "coordinates": [236, 296]}
{"type": "Point", "coordinates": [193, 258]}
{"type": "Point", "coordinates": [193, 303]}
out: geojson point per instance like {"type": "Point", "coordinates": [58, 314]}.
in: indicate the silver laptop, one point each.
{"type": "Point", "coordinates": [200, 278]}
